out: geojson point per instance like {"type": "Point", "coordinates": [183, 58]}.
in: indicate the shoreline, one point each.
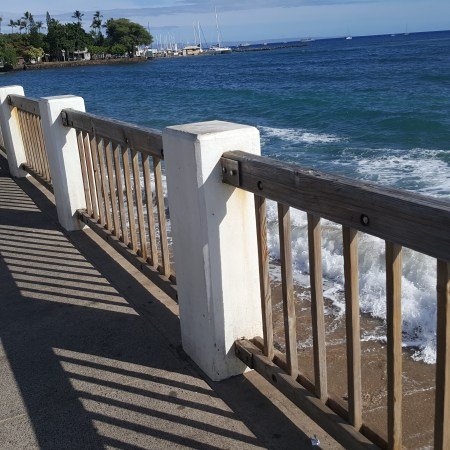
{"type": "Point", "coordinates": [63, 64]}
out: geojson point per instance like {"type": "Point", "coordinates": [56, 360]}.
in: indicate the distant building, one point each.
{"type": "Point", "coordinates": [81, 55]}
{"type": "Point", "coordinates": [190, 50]}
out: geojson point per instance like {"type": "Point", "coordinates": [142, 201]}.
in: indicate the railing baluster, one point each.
{"type": "Point", "coordinates": [84, 174]}
{"type": "Point", "coordinates": [317, 308]}
{"type": "Point", "coordinates": [112, 189]}
{"type": "Point", "coordinates": [42, 150]}
{"type": "Point", "coordinates": [90, 171]}
{"type": "Point", "coordinates": [161, 217]}
{"type": "Point", "coordinates": [105, 193]}
{"type": "Point", "coordinates": [442, 411]}
{"type": "Point", "coordinates": [98, 181]}
{"type": "Point", "coordinates": [34, 144]}
{"type": "Point", "coordinates": [394, 343]}
{"type": "Point", "coordinates": [350, 243]}
{"type": "Point", "coordinates": [139, 205]}
{"type": "Point", "coordinates": [264, 281]}
{"type": "Point", "coordinates": [123, 220]}
{"type": "Point", "coordinates": [290, 321]}
{"type": "Point", "coordinates": [130, 200]}
{"type": "Point", "coordinates": [153, 258]}
{"type": "Point", "coordinates": [25, 137]}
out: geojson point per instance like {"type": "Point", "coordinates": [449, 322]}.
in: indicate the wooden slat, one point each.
{"type": "Point", "coordinates": [130, 200]}
{"type": "Point", "coordinates": [42, 149]}
{"type": "Point", "coordinates": [442, 413]}
{"type": "Point", "coordinates": [36, 145]}
{"type": "Point", "coordinates": [84, 173]}
{"type": "Point", "coordinates": [146, 140]}
{"type": "Point", "coordinates": [165, 257]}
{"type": "Point", "coordinates": [91, 177]}
{"type": "Point", "coordinates": [350, 247]}
{"type": "Point", "coordinates": [122, 212]}
{"type": "Point", "coordinates": [287, 283]}
{"type": "Point", "coordinates": [139, 204]}
{"type": "Point", "coordinates": [112, 188]}
{"type": "Point", "coordinates": [153, 256]}
{"type": "Point", "coordinates": [25, 139]}
{"type": "Point", "coordinates": [98, 180]}
{"type": "Point", "coordinates": [344, 433]}
{"type": "Point", "coordinates": [27, 104]}
{"type": "Point", "coordinates": [264, 281]}
{"type": "Point", "coordinates": [404, 217]}
{"type": "Point", "coordinates": [104, 185]}
{"type": "Point", "coordinates": [394, 343]}
{"type": "Point", "coordinates": [317, 308]}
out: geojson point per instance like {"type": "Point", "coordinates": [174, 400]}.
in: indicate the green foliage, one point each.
{"type": "Point", "coordinates": [62, 40]}
{"type": "Point", "coordinates": [8, 55]}
{"type": "Point", "coordinates": [127, 33]}
{"type": "Point", "coordinates": [118, 49]}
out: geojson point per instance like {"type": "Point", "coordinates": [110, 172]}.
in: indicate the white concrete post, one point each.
{"type": "Point", "coordinates": [215, 246]}
{"type": "Point", "coordinates": [12, 136]}
{"type": "Point", "coordinates": [63, 157]}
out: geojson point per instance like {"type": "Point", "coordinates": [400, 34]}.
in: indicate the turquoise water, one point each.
{"type": "Point", "coordinates": [375, 108]}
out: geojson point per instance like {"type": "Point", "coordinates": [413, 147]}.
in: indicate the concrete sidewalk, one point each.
{"type": "Point", "coordinates": [92, 358]}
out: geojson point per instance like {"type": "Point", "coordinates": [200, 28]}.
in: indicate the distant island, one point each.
{"type": "Point", "coordinates": [32, 42]}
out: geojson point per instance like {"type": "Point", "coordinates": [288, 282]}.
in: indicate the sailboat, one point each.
{"type": "Point", "coordinates": [218, 49]}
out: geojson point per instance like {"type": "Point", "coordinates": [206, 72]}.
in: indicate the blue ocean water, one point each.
{"type": "Point", "coordinates": [373, 108]}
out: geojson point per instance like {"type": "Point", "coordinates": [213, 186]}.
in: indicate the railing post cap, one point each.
{"type": "Point", "coordinates": [206, 130]}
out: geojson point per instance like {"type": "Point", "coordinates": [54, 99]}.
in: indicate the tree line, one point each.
{"type": "Point", "coordinates": [33, 40]}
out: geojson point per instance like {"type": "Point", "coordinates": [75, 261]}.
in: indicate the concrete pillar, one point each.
{"type": "Point", "coordinates": [215, 247]}
{"type": "Point", "coordinates": [64, 160]}
{"type": "Point", "coordinates": [12, 136]}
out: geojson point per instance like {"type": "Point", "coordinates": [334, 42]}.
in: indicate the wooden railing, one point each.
{"type": "Point", "coordinates": [29, 118]}
{"type": "Point", "coordinates": [115, 157]}
{"type": "Point", "coordinates": [400, 218]}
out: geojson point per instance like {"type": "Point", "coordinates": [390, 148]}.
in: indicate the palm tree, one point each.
{"type": "Point", "coordinates": [96, 24]}
{"type": "Point", "coordinates": [78, 15]}
{"type": "Point", "coordinates": [39, 25]}
{"type": "Point", "coordinates": [22, 25]}
{"type": "Point", "coordinates": [28, 19]}
{"type": "Point", "coordinates": [12, 24]}
{"type": "Point", "coordinates": [1, 20]}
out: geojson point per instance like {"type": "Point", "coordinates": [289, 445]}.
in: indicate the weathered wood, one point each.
{"type": "Point", "coordinates": [264, 281]}
{"type": "Point", "coordinates": [143, 139]}
{"type": "Point", "coordinates": [165, 257]}
{"type": "Point", "coordinates": [26, 140]}
{"type": "Point", "coordinates": [139, 204]}
{"type": "Point", "coordinates": [338, 428]}
{"type": "Point", "coordinates": [43, 149]}
{"type": "Point", "coordinates": [34, 146]}
{"type": "Point", "coordinates": [98, 181]}
{"type": "Point", "coordinates": [27, 104]}
{"type": "Point", "coordinates": [394, 343]}
{"type": "Point", "coordinates": [317, 308]}
{"type": "Point", "coordinates": [118, 171]}
{"type": "Point", "coordinates": [410, 219]}
{"type": "Point", "coordinates": [287, 286]}
{"type": "Point", "coordinates": [36, 176]}
{"type": "Point", "coordinates": [91, 177]}
{"type": "Point", "coordinates": [442, 412]}
{"type": "Point", "coordinates": [164, 283]}
{"type": "Point", "coordinates": [112, 188]}
{"type": "Point", "coordinates": [130, 200]}
{"type": "Point", "coordinates": [104, 185]}
{"type": "Point", "coordinates": [153, 257]}
{"type": "Point", "coordinates": [350, 248]}
{"type": "Point", "coordinates": [87, 194]}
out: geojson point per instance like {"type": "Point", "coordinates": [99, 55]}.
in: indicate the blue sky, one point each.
{"type": "Point", "coordinates": [251, 20]}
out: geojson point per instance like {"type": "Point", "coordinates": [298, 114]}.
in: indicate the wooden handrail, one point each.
{"type": "Point", "coordinates": [146, 140]}
{"type": "Point", "coordinates": [28, 104]}
{"type": "Point", "coordinates": [416, 221]}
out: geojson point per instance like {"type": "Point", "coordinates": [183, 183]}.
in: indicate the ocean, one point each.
{"type": "Point", "coordinates": [372, 108]}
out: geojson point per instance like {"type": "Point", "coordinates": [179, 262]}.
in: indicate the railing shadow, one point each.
{"type": "Point", "coordinates": [83, 370]}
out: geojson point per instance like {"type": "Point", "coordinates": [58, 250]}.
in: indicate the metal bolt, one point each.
{"type": "Point", "coordinates": [260, 185]}
{"type": "Point", "coordinates": [364, 219]}
{"type": "Point", "coordinates": [224, 170]}
{"type": "Point", "coordinates": [233, 172]}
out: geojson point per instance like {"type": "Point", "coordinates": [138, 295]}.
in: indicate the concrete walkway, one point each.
{"type": "Point", "coordinates": [92, 359]}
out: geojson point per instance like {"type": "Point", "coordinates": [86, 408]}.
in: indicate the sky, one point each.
{"type": "Point", "coordinates": [253, 20]}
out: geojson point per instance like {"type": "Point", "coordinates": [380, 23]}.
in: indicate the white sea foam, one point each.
{"type": "Point", "coordinates": [418, 283]}
{"type": "Point", "coordinates": [418, 169]}
{"type": "Point", "coordinates": [298, 135]}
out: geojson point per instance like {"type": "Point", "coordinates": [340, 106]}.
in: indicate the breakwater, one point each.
{"type": "Point", "coordinates": [93, 62]}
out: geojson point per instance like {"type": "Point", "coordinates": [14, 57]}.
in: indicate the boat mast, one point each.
{"type": "Point", "coordinates": [217, 26]}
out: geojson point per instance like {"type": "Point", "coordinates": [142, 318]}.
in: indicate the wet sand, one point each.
{"type": "Point", "coordinates": [418, 377]}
